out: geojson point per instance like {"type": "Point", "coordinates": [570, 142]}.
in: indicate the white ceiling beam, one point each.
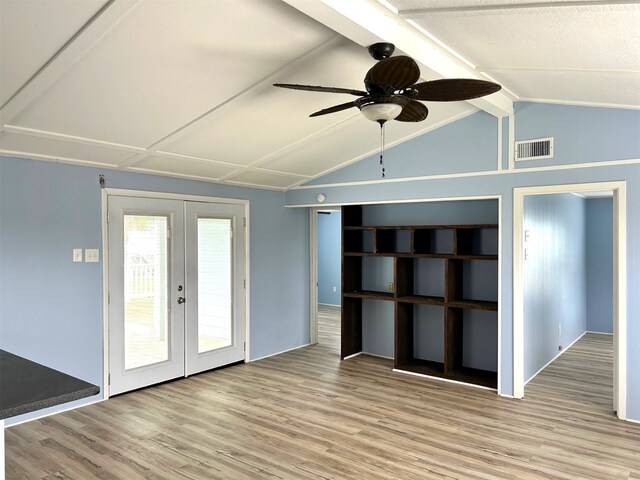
{"type": "Point", "coordinates": [96, 28]}
{"type": "Point", "coordinates": [416, 13]}
{"type": "Point", "coordinates": [366, 22]}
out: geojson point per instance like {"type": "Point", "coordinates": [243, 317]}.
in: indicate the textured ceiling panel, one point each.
{"type": "Point", "coordinates": [31, 32]}
{"type": "Point", "coordinates": [270, 118]}
{"type": "Point", "coordinates": [55, 148]}
{"type": "Point", "coordinates": [167, 63]}
{"type": "Point", "coordinates": [182, 166]}
{"type": "Point", "coordinates": [603, 38]}
{"type": "Point", "coordinates": [598, 87]}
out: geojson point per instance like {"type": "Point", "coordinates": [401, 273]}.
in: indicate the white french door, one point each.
{"type": "Point", "coordinates": [176, 289]}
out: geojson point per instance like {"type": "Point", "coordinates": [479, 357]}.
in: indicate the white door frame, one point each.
{"type": "Point", "coordinates": [106, 192]}
{"type": "Point", "coordinates": [619, 282]}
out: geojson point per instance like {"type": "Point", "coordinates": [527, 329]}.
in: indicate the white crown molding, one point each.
{"type": "Point", "coordinates": [559, 70]}
{"type": "Point", "coordinates": [580, 104]}
{"type": "Point", "coordinates": [55, 158]}
{"type": "Point", "coordinates": [92, 142]}
{"type": "Point", "coordinates": [424, 12]}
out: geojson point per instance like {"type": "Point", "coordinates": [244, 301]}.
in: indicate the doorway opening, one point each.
{"type": "Point", "coordinates": [569, 293]}
{"type": "Point", "coordinates": [326, 225]}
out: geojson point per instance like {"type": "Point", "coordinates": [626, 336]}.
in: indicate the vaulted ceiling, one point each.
{"type": "Point", "coordinates": [184, 87]}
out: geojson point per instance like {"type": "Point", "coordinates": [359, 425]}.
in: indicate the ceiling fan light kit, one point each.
{"type": "Point", "coordinates": [393, 94]}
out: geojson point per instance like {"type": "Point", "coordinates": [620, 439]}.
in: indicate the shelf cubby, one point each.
{"type": "Point", "coordinates": [444, 295]}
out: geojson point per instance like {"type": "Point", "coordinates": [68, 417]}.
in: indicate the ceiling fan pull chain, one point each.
{"type": "Point", "coordinates": [382, 147]}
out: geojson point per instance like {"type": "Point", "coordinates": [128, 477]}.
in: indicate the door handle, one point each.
{"type": "Point", "coordinates": [181, 300]}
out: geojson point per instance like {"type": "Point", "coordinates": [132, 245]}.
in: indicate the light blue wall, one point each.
{"type": "Point", "coordinates": [600, 265]}
{"type": "Point", "coordinates": [51, 308]}
{"type": "Point", "coordinates": [554, 277]}
{"type": "Point", "coordinates": [429, 154]}
{"type": "Point", "coordinates": [623, 127]}
{"type": "Point", "coordinates": [581, 134]}
{"type": "Point", "coordinates": [329, 260]}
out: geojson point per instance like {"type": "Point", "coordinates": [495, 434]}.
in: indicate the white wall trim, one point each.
{"type": "Point", "coordinates": [598, 333]}
{"type": "Point", "coordinates": [329, 305]}
{"type": "Point", "coordinates": [500, 314]}
{"type": "Point", "coordinates": [280, 353]}
{"type": "Point", "coordinates": [499, 143]}
{"type": "Point", "coordinates": [369, 354]}
{"type": "Point", "coordinates": [483, 173]}
{"type": "Point", "coordinates": [619, 279]}
{"type": "Point", "coordinates": [555, 357]}
{"type": "Point", "coordinates": [105, 295]}
{"type": "Point", "coordinates": [48, 414]}
{"type": "Point", "coordinates": [172, 196]}
{"type": "Point", "coordinates": [581, 104]}
{"type": "Point", "coordinates": [313, 272]}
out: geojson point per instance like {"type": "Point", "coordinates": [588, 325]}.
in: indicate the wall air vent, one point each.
{"type": "Point", "coordinates": [535, 149]}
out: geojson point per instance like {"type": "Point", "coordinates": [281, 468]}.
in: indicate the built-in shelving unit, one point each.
{"type": "Point", "coordinates": [418, 251]}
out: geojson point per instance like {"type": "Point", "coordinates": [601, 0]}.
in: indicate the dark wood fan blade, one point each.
{"type": "Point", "coordinates": [399, 72]}
{"type": "Point", "coordinates": [454, 89]}
{"type": "Point", "coordinates": [335, 108]}
{"type": "Point", "coordinates": [413, 112]}
{"type": "Point", "coordinates": [314, 88]}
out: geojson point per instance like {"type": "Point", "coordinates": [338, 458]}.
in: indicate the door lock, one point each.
{"type": "Point", "coordinates": [181, 300]}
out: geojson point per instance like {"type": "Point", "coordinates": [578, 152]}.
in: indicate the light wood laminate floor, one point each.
{"type": "Point", "coordinates": [307, 415]}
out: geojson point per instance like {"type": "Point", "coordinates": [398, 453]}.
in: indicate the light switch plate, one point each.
{"type": "Point", "coordinates": [77, 254]}
{"type": "Point", "coordinates": [91, 255]}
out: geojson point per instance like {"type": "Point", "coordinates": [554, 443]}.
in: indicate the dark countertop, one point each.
{"type": "Point", "coordinates": [26, 386]}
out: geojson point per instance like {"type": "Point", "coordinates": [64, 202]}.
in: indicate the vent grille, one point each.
{"type": "Point", "coordinates": [534, 149]}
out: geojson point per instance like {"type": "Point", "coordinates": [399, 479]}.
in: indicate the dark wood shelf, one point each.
{"type": "Point", "coordinates": [474, 304]}
{"type": "Point", "coordinates": [423, 367]}
{"type": "Point", "coordinates": [370, 294]}
{"type": "Point", "coordinates": [421, 299]}
{"type": "Point", "coordinates": [449, 256]}
{"type": "Point", "coordinates": [456, 247]}
{"type": "Point", "coordinates": [474, 375]}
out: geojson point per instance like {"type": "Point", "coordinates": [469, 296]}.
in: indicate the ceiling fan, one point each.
{"type": "Point", "coordinates": [392, 92]}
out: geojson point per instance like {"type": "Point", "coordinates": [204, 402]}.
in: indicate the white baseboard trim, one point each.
{"type": "Point", "coordinates": [599, 333]}
{"type": "Point", "coordinates": [278, 353]}
{"type": "Point", "coordinates": [554, 358]}
{"type": "Point", "coordinates": [45, 415]}
{"type": "Point", "coordinates": [330, 305]}
{"type": "Point", "coordinates": [352, 356]}
{"type": "Point", "coordinates": [448, 380]}
{"type": "Point", "coordinates": [632, 421]}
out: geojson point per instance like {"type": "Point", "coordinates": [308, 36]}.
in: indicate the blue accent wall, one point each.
{"type": "Point", "coordinates": [429, 154]}
{"type": "Point", "coordinates": [554, 276]}
{"type": "Point", "coordinates": [581, 134]}
{"type": "Point", "coordinates": [51, 308]}
{"type": "Point", "coordinates": [600, 265]}
{"type": "Point", "coordinates": [329, 260]}
{"type": "Point", "coordinates": [618, 138]}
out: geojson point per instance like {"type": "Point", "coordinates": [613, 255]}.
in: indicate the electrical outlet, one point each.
{"type": "Point", "coordinates": [77, 254]}
{"type": "Point", "coordinates": [92, 255]}
{"type": "Point", "coordinates": [334, 289]}
{"type": "Point", "coordinates": [390, 286]}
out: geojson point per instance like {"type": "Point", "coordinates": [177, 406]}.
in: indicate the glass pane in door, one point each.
{"type": "Point", "coordinates": [214, 283]}
{"type": "Point", "coordinates": [145, 290]}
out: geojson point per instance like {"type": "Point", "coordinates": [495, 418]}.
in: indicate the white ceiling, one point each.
{"type": "Point", "coordinates": [184, 87]}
